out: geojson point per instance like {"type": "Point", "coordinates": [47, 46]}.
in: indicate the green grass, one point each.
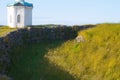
{"type": "Point", "coordinates": [29, 63]}
{"type": "Point", "coordinates": [5, 30]}
{"type": "Point", "coordinates": [97, 58]}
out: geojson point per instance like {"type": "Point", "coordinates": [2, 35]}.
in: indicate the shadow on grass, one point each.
{"type": "Point", "coordinates": [28, 63]}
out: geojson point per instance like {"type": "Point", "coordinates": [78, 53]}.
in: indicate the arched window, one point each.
{"type": "Point", "coordinates": [18, 19]}
{"type": "Point", "coordinates": [10, 19]}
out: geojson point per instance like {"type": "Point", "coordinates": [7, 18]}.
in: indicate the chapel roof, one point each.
{"type": "Point", "coordinates": [23, 3]}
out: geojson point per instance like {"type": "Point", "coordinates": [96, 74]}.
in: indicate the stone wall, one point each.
{"type": "Point", "coordinates": [30, 35]}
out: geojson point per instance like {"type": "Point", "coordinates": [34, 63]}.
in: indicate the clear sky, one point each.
{"type": "Point", "coordinates": [69, 12]}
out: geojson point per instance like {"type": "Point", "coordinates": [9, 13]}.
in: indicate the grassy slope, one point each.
{"type": "Point", "coordinates": [5, 30]}
{"type": "Point", "coordinates": [29, 63]}
{"type": "Point", "coordinates": [95, 59]}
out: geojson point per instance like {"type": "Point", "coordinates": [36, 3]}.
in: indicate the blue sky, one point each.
{"type": "Point", "coordinates": [69, 12]}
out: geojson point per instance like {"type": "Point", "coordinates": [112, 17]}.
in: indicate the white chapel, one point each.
{"type": "Point", "coordinates": [19, 14]}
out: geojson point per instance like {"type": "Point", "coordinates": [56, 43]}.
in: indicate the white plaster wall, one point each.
{"type": "Point", "coordinates": [28, 16]}
{"type": "Point", "coordinates": [20, 10]}
{"type": "Point", "coordinates": [25, 16]}
{"type": "Point", "coordinates": [11, 13]}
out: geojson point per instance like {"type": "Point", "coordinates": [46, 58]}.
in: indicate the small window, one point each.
{"type": "Point", "coordinates": [18, 19]}
{"type": "Point", "coordinates": [10, 19]}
